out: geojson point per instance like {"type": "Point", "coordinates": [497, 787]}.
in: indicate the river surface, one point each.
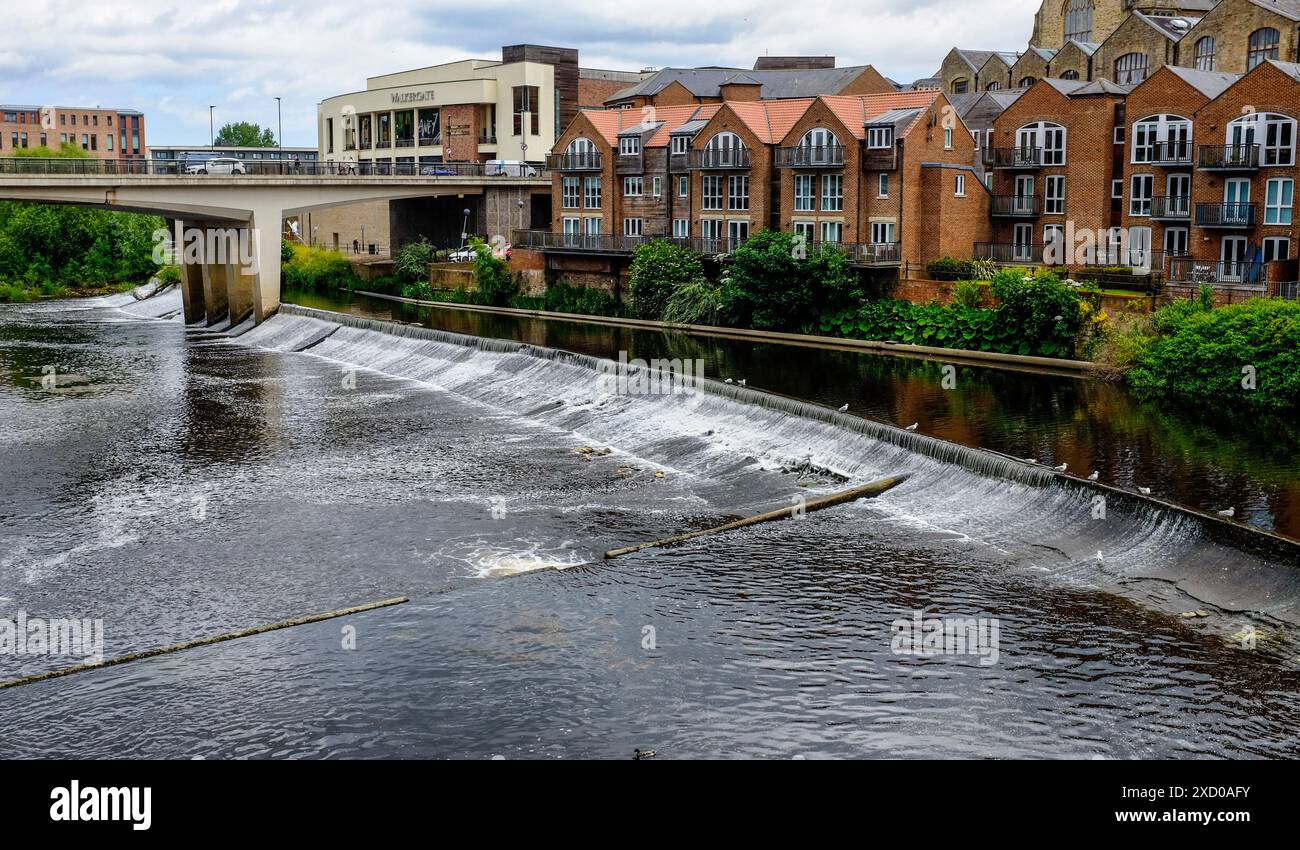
{"type": "Point", "coordinates": [177, 486]}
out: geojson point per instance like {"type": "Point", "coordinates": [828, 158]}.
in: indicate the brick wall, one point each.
{"type": "Point", "coordinates": [929, 193]}
{"type": "Point", "coordinates": [996, 73]}
{"type": "Point", "coordinates": [956, 68]}
{"type": "Point", "coordinates": [595, 92]}
{"type": "Point", "coordinates": [1070, 59]}
{"type": "Point", "coordinates": [759, 175]}
{"type": "Point", "coordinates": [460, 131]}
{"type": "Point", "coordinates": [1134, 35]}
{"type": "Point", "coordinates": [1030, 64]}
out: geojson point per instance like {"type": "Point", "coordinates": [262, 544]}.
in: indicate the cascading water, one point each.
{"type": "Point", "coordinates": [727, 434]}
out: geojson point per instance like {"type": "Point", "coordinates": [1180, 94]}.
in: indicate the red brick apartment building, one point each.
{"type": "Point", "coordinates": [102, 133]}
{"type": "Point", "coordinates": [874, 173]}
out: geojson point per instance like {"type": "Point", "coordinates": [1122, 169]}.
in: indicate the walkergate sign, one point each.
{"type": "Point", "coordinates": [412, 96]}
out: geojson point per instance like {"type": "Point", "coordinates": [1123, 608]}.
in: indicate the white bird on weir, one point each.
{"type": "Point", "coordinates": [741, 382]}
{"type": "Point", "coordinates": [728, 381]}
{"type": "Point", "coordinates": [912, 427]}
{"type": "Point", "coordinates": [1145, 491]}
{"type": "Point", "coordinates": [1094, 476]}
{"type": "Point", "coordinates": [841, 408]}
{"type": "Point", "coordinates": [1060, 468]}
{"type": "Point", "coordinates": [1229, 512]}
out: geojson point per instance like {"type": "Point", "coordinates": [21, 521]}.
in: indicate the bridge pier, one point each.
{"type": "Point", "coordinates": [216, 302]}
{"type": "Point", "coordinates": [266, 223]}
{"type": "Point", "coordinates": [192, 292]}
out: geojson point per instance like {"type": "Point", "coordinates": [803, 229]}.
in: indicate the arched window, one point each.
{"type": "Point", "coordinates": [819, 147]}
{"type": "Point", "coordinates": [1070, 74]}
{"type": "Point", "coordinates": [1026, 82]}
{"type": "Point", "coordinates": [725, 150]}
{"type": "Point", "coordinates": [1041, 143]}
{"type": "Point", "coordinates": [960, 85]}
{"type": "Point", "coordinates": [1163, 139]}
{"type": "Point", "coordinates": [1131, 68]}
{"type": "Point", "coordinates": [1272, 133]}
{"type": "Point", "coordinates": [1078, 20]}
{"type": "Point", "coordinates": [993, 85]}
{"type": "Point", "coordinates": [582, 153]}
{"type": "Point", "coordinates": [1263, 45]}
{"type": "Point", "coordinates": [1204, 60]}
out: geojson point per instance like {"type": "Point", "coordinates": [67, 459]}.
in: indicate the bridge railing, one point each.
{"type": "Point", "coordinates": [75, 166]}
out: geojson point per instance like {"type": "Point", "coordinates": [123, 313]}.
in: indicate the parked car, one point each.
{"type": "Point", "coordinates": [437, 171]}
{"type": "Point", "coordinates": [217, 165]}
{"type": "Point", "coordinates": [508, 168]}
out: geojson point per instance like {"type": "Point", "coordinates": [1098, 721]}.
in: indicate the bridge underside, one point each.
{"type": "Point", "coordinates": [235, 274]}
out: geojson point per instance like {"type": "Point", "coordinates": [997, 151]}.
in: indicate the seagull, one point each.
{"type": "Point", "coordinates": [841, 408]}
{"type": "Point", "coordinates": [1094, 476]}
{"type": "Point", "coordinates": [1060, 468]}
{"type": "Point", "coordinates": [1030, 460]}
{"type": "Point", "coordinates": [1145, 491]}
{"type": "Point", "coordinates": [728, 381]}
{"type": "Point", "coordinates": [912, 427]}
{"type": "Point", "coordinates": [1228, 512]}
{"type": "Point", "coordinates": [741, 382]}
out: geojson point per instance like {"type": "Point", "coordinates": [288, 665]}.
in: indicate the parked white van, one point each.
{"type": "Point", "coordinates": [508, 168]}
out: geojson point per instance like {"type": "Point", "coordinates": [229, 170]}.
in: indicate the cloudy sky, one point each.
{"type": "Point", "coordinates": [172, 59]}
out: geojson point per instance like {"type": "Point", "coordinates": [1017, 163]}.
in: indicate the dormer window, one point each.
{"type": "Point", "coordinates": [880, 137]}
{"type": "Point", "coordinates": [681, 144]}
{"type": "Point", "coordinates": [629, 145]}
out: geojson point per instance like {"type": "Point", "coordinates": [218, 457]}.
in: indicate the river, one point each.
{"type": "Point", "coordinates": [178, 486]}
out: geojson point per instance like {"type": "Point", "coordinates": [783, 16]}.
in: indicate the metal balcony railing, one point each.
{"type": "Point", "coordinates": [586, 161]}
{"type": "Point", "coordinates": [880, 159]}
{"type": "Point", "coordinates": [1228, 157]}
{"type": "Point", "coordinates": [711, 158]}
{"type": "Point", "coordinates": [1225, 215]}
{"type": "Point", "coordinates": [1014, 206]}
{"type": "Point", "coordinates": [1186, 270]}
{"type": "Point", "coordinates": [1169, 153]}
{"type": "Point", "coordinates": [1171, 207]}
{"type": "Point", "coordinates": [810, 156]}
{"type": "Point", "coordinates": [1017, 158]}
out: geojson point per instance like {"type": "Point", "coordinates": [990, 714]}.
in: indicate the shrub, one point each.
{"type": "Point", "coordinates": [949, 268]}
{"type": "Point", "coordinates": [562, 297]}
{"type": "Point", "coordinates": [286, 251]}
{"type": "Point", "coordinates": [418, 289]}
{"type": "Point", "coordinates": [169, 275]}
{"type": "Point", "coordinates": [1204, 355]}
{"type": "Point", "coordinates": [492, 276]}
{"type": "Point", "coordinates": [771, 284]}
{"type": "Point", "coordinates": [411, 263]}
{"type": "Point", "coordinates": [659, 269]}
{"type": "Point", "coordinates": [698, 303]}
{"type": "Point", "coordinates": [968, 293]}
{"type": "Point", "coordinates": [317, 268]}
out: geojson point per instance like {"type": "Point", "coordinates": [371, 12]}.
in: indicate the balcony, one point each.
{"type": "Point", "coordinates": [720, 158]}
{"type": "Point", "coordinates": [585, 161]}
{"type": "Point", "coordinates": [880, 159]}
{"type": "Point", "coordinates": [1170, 153]}
{"type": "Point", "coordinates": [1171, 207]}
{"type": "Point", "coordinates": [874, 253]}
{"type": "Point", "coordinates": [585, 243]}
{"type": "Point", "coordinates": [811, 156]}
{"type": "Point", "coordinates": [1227, 216]}
{"type": "Point", "coordinates": [405, 143]}
{"type": "Point", "coordinates": [678, 163]}
{"type": "Point", "coordinates": [1185, 270]}
{"type": "Point", "coordinates": [1013, 158]}
{"type": "Point", "coordinates": [1009, 252]}
{"type": "Point", "coordinates": [1014, 206]}
{"type": "Point", "coordinates": [1228, 157]}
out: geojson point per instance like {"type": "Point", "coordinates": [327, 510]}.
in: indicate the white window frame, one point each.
{"type": "Point", "coordinates": [657, 186]}
{"type": "Point", "coordinates": [682, 228]}
{"type": "Point", "coordinates": [1139, 202]}
{"type": "Point", "coordinates": [960, 188]}
{"type": "Point", "coordinates": [633, 226]}
{"type": "Point", "coordinates": [832, 193]}
{"type": "Point", "coordinates": [712, 200]}
{"type": "Point", "coordinates": [884, 229]}
{"type": "Point", "coordinates": [629, 145]}
{"type": "Point", "coordinates": [947, 138]}
{"type": "Point", "coordinates": [1054, 194]}
{"type": "Point", "coordinates": [1279, 212]}
{"type": "Point", "coordinates": [633, 187]}
{"type": "Point", "coordinates": [882, 185]}
{"type": "Point", "coordinates": [575, 196]}
{"type": "Point", "coordinates": [832, 231]}
{"type": "Point", "coordinates": [738, 192]}
{"type": "Point", "coordinates": [1117, 188]}
{"type": "Point", "coordinates": [681, 144]}
{"type": "Point", "coordinates": [591, 193]}
{"type": "Point", "coordinates": [880, 138]}
{"type": "Point", "coordinates": [683, 186]}
{"type": "Point", "coordinates": [805, 202]}
{"type": "Point", "coordinates": [1174, 236]}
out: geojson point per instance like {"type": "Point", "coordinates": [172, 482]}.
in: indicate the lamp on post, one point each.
{"type": "Point", "coordinates": [520, 204]}
{"type": "Point", "coordinates": [212, 139]}
{"type": "Point", "coordinates": [464, 228]}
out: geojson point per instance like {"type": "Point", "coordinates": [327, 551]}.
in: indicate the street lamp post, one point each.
{"type": "Point", "coordinates": [212, 139]}
{"type": "Point", "coordinates": [464, 228]}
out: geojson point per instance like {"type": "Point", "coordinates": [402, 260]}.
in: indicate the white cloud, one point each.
{"type": "Point", "coordinates": [171, 59]}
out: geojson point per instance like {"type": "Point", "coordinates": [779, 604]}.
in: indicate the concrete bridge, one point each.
{"type": "Point", "coordinates": [222, 288]}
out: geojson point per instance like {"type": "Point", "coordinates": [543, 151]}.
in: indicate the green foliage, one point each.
{"type": "Point", "coordinates": [983, 269]}
{"type": "Point", "coordinates": [562, 297]}
{"type": "Point", "coordinates": [411, 263]}
{"type": "Point", "coordinates": [1039, 316]}
{"type": "Point", "coordinates": [769, 286]}
{"type": "Point", "coordinates": [66, 150]}
{"type": "Point", "coordinates": [950, 268]}
{"type": "Point", "coordinates": [697, 303]}
{"type": "Point", "coordinates": [659, 269]}
{"type": "Point", "coordinates": [286, 251]}
{"type": "Point", "coordinates": [169, 275]}
{"type": "Point", "coordinates": [419, 289]}
{"type": "Point", "coordinates": [317, 268]}
{"type": "Point", "coordinates": [1202, 354]}
{"type": "Point", "coordinates": [968, 293]}
{"type": "Point", "coordinates": [75, 247]}
{"type": "Point", "coordinates": [492, 276]}
{"type": "Point", "coordinates": [242, 134]}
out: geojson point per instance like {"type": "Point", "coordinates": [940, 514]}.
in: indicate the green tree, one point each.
{"type": "Point", "coordinates": [659, 270]}
{"type": "Point", "coordinates": [242, 134]}
{"type": "Point", "coordinates": [775, 283]}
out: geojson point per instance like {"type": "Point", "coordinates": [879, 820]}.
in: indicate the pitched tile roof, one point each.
{"type": "Point", "coordinates": [856, 111]}
{"type": "Point", "coordinates": [610, 123]}
{"type": "Point", "coordinates": [770, 120]}
{"type": "Point", "coordinates": [776, 83]}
